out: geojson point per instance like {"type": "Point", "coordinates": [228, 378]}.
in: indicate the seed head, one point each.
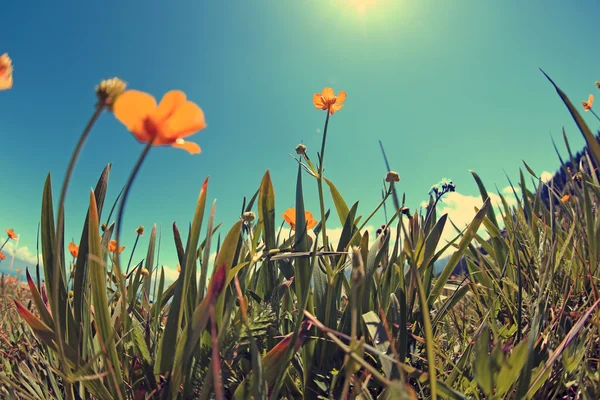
{"type": "Point", "coordinates": [108, 90]}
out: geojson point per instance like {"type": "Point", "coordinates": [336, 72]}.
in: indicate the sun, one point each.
{"type": "Point", "coordinates": [360, 6]}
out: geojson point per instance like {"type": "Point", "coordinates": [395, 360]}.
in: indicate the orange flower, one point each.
{"type": "Point", "coordinates": [11, 234]}
{"type": "Point", "coordinates": [6, 69]}
{"type": "Point", "coordinates": [328, 101]}
{"type": "Point", "coordinates": [73, 249]}
{"type": "Point", "coordinates": [290, 218]}
{"type": "Point", "coordinates": [587, 105]}
{"type": "Point", "coordinates": [18, 271]}
{"type": "Point", "coordinates": [144, 272]}
{"type": "Point", "coordinates": [565, 198]}
{"type": "Point", "coordinates": [112, 247]}
{"type": "Point", "coordinates": [2, 256]}
{"type": "Point", "coordinates": [172, 120]}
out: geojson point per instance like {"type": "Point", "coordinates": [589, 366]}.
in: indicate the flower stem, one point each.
{"type": "Point", "coordinates": [132, 251]}
{"type": "Point", "coordinates": [4, 244]}
{"type": "Point", "coordinates": [320, 187]}
{"type": "Point", "coordinates": [125, 192]}
{"type": "Point", "coordinates": [59, 232]}
{"type": "Point", "coordinates": [595, 115]}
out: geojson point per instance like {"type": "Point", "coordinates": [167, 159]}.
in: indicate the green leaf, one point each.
{"type": "Point", "coordinates": [511, 368]}
{"type": "Point", "coordinates": [340, 204]}
{"type": "Point", "coordinates": [484, 197]}
{"type": "Point", "coordinates": [266, 218]}
{"type": "Point", "coordinates": [175, 317]}
{"type": "Point", "coordinates": [462, 246]}
{"type": "Point", "coordinates": [100, 299]}
{"type": "Point", "coordinates": [80, 280]}
{"type": "Point", "coordinates": [482, 368]}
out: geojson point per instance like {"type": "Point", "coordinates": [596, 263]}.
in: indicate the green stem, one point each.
{"type": "Point", "coordinates": [4, 244]}
{"type": "Point", "coordinates": [126, 190]}
{"type": "Point", "coordinates": [132, 251]}
{"type": "Point", "coordinates": [320, 187]}
{"type": "Point", "coordinates": [595, 115]}
{"type": "Point", "coordinates": [60, 231]}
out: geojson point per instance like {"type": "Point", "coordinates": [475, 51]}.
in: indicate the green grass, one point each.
{"type": "Point", "coordinates": [280, 317]}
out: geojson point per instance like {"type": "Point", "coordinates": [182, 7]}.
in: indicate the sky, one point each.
{"type": "Point", "coordinates": [447, 87]}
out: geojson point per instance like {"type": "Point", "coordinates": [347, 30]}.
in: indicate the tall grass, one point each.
{"type": "Point", "coordinates": [307, 316]}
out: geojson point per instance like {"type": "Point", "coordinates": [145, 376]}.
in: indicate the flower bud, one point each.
{"type": "Point", "coordinates": [392, 176]}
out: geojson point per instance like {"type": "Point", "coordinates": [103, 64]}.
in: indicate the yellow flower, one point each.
{"type": "Point", "coordinates": [565, 198]}
{"type": "Point", "coordinates": [112, 247]}
{"type": "Point", "coordinates": [290, 217]}
{"type": "Point", "coordinates": [170, 121]}
{"type": "Point", "coordinates": [587, 105]}
{"type": "Point", "coordinates": [73, 249]}
{"type": "Point", "coordinates": [6, 70]}
{"type": "Point", "coordinates": [327, 100]}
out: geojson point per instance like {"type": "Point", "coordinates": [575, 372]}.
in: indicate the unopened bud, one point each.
{"type": "Point", "coordinates": [300, 149]}
{"type": "Point", "coordinates": [248, 216]}
{"type": "Point", "coordinates": [358, 268]}
{"type": "Point", "coordinates": [392, 176]}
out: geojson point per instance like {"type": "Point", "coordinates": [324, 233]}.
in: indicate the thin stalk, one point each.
{"type": "Point", "coordinates": [59, 231]}
{"type": "Point", "coordinates": [595, 115]}
{"type": "Point", "coordinates": [137, 238]}
{"type": "Point", "coordinates": [126, 190]}
{"type": "Point", "coordinates": [320, 187]}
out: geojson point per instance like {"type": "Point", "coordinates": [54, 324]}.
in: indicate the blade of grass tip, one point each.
{"type": "Point", "coordinates": [150, 260]}
{"type": "Point", "coordinates": [206, 255]}
{"type": "Point", "coordinates": [37, 266]}
{"type": "Point", "coordinates": [585, 130]}
{"type": "Point", "coordinates": [81, 266]}
{"type": "Point", "coordinates": [484, 195]}
{"type": "Point", "coordinates": [266, 216]}
{"type": "Point", "coordinates": [114, 206]}
{"type": "Point", "coordinates": [100, 299]}
{"type": "Point", "coordinates": [157, 262]}
{"type": "Point", "coordinates": [226, 256]}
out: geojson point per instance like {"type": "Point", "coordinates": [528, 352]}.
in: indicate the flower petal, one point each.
{"type": "Point", "coordinates": [591, 100]}
{"type": "Point", "coordinates": [131, 108]}
{"type": "Point", "coordinates": [335, 107]}
{"type": "Point", "coordinates": [318, 100]}
{"type": "Point", "coordinates": [187, 119]}
{"type": "Point", "coordinates": [341, 97]}
{"type": "Point", "coordinates": [190, 147]}
{"type": "Point", "coordinates": [170, 102]}
{"type": "Point", "coordinates": [328, 95]}
{"type": "Point", "coordinates": [6, 81]}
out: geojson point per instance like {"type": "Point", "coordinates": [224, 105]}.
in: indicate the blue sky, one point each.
{"type": "Point", "coordinates": [447, 87]}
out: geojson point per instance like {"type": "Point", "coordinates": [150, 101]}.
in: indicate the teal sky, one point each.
{"type": "Point", "coordinates": [447, 86]}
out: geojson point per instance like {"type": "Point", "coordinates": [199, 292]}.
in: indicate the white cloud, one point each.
{"type": "Point", "coordinates": [509, 190]}
{"type": "Point", "coordinates": [461, 210]}
{"type": "Point", "coordinates": [21, 253]}
{"type": "Point", "coordinates": [546, 176]}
